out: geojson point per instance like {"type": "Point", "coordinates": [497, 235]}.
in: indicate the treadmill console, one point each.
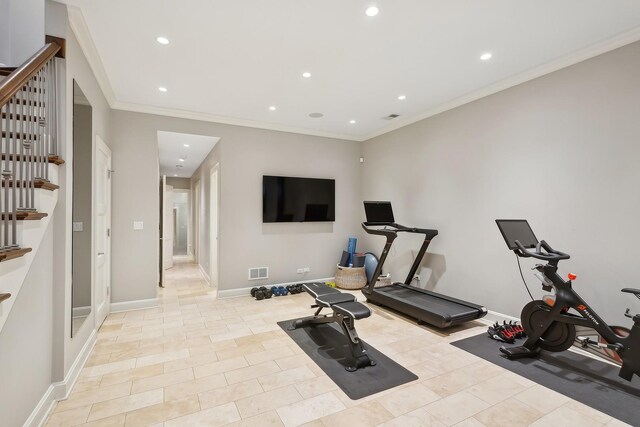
{"type": "Point", "coordinates": [379, 213]}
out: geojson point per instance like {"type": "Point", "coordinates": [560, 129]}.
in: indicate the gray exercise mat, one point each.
{"type": "Point", "coordinates": [326, 345]}
{"type": "Point", "coordinates": [587, 380]}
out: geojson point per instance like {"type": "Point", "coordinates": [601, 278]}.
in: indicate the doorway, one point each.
{"type": "Point", "coordinates": [196, 222]}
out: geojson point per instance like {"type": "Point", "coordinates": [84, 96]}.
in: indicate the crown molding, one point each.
{"type": "Point", "coordinates": [79, 27]}
{"type": "Point", "coordinates": [81, 31]}
{"type": "Point", "coordinates": [205, 117]}
{"type": "Point", "coordinates": [550, 67]}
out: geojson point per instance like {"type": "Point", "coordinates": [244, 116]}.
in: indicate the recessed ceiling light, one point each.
{"type": "Point", "coordinates": [272, 108]}
{"type": "Point", "coordinates": [162, 89]}
{"type": "Point", "coordinates": [486, 56]}
{"type": "Point", "coordinates": [402, 97]}
{"type": "Point", "coordinates": [306, 74]}
{"type": "Point", "coordinates": [352, 121]}
{"type": "Point", "coordinates": [186, 145]}
{"type": "Point", "coordinates": [371, 11]}
{"type": "Point", "coordinates": [316, 115]}
{"type": "Point", "coordinates": [181, 159]}
{"type": "Point", "coordinates": [162, 40]}
{"type": "Point", "coordinates": [175, 174]}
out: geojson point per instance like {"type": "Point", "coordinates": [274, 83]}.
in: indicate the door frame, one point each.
{"type": "Point", "coordinates": [214, 207]}
{"type": "Point", "coordinates": [100, 145]}
{"type": "Point", "coordinates": [196, 221]}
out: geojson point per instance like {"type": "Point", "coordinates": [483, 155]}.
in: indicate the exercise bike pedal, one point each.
{"type": "Point", "coordinates": [519, 352]}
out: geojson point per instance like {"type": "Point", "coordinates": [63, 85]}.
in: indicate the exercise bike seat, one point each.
{"type": "Point", "coordinates": [355, 310]}
{"type": "Point", "coordinates": [634, 291]}
{"type": "Point", "coordinates": [317, 289]}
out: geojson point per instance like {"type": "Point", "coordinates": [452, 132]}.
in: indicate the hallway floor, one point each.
{"type": "Point", "coordinates": [198, 361]}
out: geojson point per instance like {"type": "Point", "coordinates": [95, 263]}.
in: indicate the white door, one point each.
{"type": "Point", "coordinates": [167, 228]}
{"type": "Point", "coordinates": [213, 225]}
{"type": "Point", "coordinates": [102, 230]}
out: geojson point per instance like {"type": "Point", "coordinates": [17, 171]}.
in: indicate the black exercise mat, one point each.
{"type": "Point", "coordinates": [326, 345]}
{"type": "Point", "coordinates": [587, 380]}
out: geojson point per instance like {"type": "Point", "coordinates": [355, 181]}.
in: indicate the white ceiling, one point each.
{"type": "Point", "coordinates": [230, 60]}
{"type": "Point", "coordinates": [172, 149]}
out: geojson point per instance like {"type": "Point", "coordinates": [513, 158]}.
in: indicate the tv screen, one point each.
{"type": "Point", "coordinates": [288, 199]}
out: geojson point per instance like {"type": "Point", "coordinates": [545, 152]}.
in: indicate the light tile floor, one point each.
{"type": "Point", "coordinates": [199, 361]}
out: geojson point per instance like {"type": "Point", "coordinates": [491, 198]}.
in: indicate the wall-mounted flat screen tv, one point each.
{"type": "Point", "coordinates": [289, 199]}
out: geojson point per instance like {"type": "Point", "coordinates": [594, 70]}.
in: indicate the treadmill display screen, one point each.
{"type": "Point", "coordinates": [517, 229]}
{"type": "Point", "coordinates": [379, 212]}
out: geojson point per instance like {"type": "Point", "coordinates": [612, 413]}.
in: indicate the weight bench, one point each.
{"type": "Point", "coordinates": [346, 310]}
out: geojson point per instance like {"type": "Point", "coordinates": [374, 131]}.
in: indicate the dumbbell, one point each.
{"type": "Point", "coordinates": [283, 291]}
{"type": "Point", "coordinates": [276, 291]}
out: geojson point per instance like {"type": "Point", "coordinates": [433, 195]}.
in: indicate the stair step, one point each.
{"type": "Point", "coordinates": [56, 160]}
{"type": "Point", "coordinates": [5, 71]}
{"type": "Point", "coordinates": [25, 215]}
{"type": "Point", "coordinates": [39, 183]}
{"type": "Point", "coordinates": [13, 254]}
{"type": "Point", "coordinates": [4, 297]}
{"type": "Point", "coordinates": [20, 136]}
{"type": "Point", "coordinates": [20, 117]}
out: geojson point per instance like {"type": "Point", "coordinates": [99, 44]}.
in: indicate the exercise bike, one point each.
{"type": "Point", "coordinates": [550, 324]}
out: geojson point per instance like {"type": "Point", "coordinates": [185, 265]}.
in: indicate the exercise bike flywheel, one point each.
{"type": "Point", "coordinates": [558, 337]}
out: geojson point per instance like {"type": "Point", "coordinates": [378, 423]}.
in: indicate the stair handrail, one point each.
{"type": "Point", "coordinates": [21, 75]}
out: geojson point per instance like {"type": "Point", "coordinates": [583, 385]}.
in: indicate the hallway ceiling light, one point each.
{"type": "Point", "coordinates": [175, 174]}
{"type": "Point", "coordinates": [372, 11]}
{"type": "Point", "coordinates": [162, 40]}
{"type": "Point", "coordinates": [186, 145]}
{"type": "Point", "coordinates": [162, 89]}
{"type": "Point", "coordinates": [306, 74]}
{"type": "Point", "coordinates": [181, 159]}
{"type": "Point", "coordinates": [402, 97]}
{"type": "Point", "coordinates": [272, 108]}
{"type": "Point", "coordinates": [486, 56]}
{"type": "Point", "coordinates": [352, 122]}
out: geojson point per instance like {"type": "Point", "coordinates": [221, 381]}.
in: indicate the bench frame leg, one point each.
{"type": "Point", "coordinates": [359, 356]}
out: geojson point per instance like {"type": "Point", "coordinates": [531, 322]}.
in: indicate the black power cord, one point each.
{"type": "Point", "coordinates": [522, 275]}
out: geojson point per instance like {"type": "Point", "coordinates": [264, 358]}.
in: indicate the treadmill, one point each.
{"type": "Point", "coordinates": [425, 306]}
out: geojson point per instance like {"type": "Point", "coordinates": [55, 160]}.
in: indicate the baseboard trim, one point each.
{"type": "Point", "coordinates": [81, 311]}
{"type": "Point", "coordinates": [494, 316]}
{"type": "Point", "coordinates": [242, 292]}
{"type": "Point", "coordinates": [205, 275]}
{"type": "Point", "coordinates": [60, 390]}
{"type": "Point", "coordinates": [134, 305]}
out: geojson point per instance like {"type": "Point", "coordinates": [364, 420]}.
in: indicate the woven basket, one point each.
{"type": "Point", "coordinates": [350, 277]}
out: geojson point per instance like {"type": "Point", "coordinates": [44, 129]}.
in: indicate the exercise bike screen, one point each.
{"type": "Point", "coordinates": [517, 229]}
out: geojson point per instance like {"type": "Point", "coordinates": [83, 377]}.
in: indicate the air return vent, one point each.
{"type": "Point", "coordinates": [391, 117]}
{"type": "Point", "coordinates": [258, 273]}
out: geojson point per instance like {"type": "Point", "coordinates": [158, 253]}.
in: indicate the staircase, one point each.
{"type": "Point", "coordinates": [29, 164]}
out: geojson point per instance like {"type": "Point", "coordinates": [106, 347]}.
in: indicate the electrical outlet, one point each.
{"type": "Point", "coordinates": [306, 270]}
{"type": "Point", "coordinates": [300, 271]}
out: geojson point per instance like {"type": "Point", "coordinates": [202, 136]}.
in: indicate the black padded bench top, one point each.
{"type": "Point", "coordinates": [356, 310]}
{"type": "Point", "coordinates": [329, 300]}
{"type": "Point", "coordinates": [317, 289]}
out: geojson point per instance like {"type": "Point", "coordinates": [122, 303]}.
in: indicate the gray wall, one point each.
{"type": "Point", "coordinates": [21, 30]}
{"type": "Point", "coordinates": [247, 153]}
{"type": "Point", "coordinates": [179, 183]}
{"type": "Point", "coordinates": [561, 151]}
{"type": "Point", "coordinates": [26, 342]}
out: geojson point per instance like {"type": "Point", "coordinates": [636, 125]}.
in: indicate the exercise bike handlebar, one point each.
{"type": "Point", "coordinates": [368, 227]}
{"type": "Point", "coordinates": [550, 254]}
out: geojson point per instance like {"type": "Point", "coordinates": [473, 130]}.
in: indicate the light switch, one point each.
{"type": "Point", "coordinates": [138, 225]}
{"type": "Point", "coordinates": [78, 226]}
